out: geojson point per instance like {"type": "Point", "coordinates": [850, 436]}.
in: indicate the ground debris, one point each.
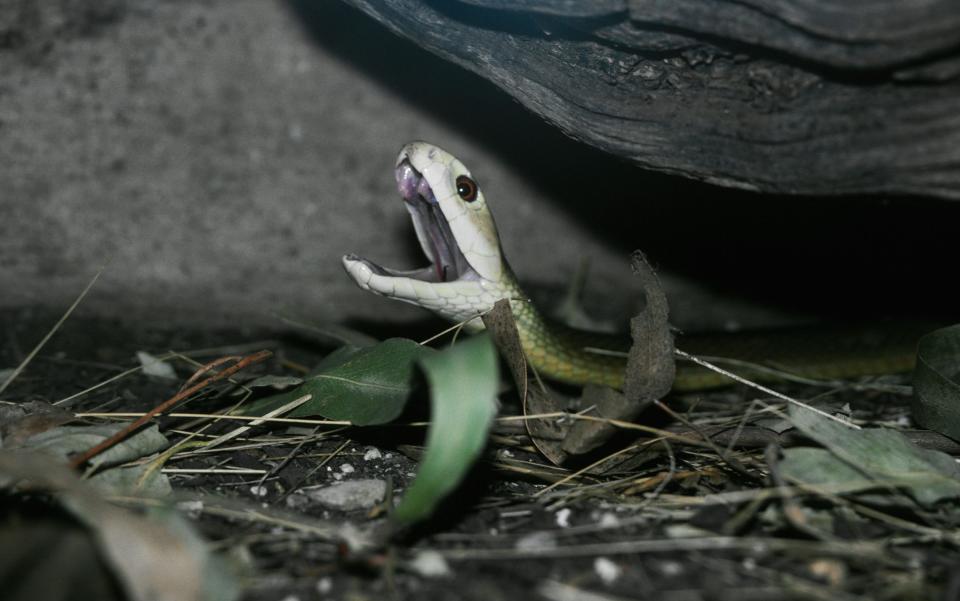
{"type": "Point", "coordinates": [714, 507]}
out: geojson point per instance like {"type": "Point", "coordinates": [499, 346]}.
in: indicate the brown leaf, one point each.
{"type": "Point", "coordinates": [547, 434]}
{"type": "Point", "coordinates": [649, 373]}
{"type": "Point", "coordinates": [651, 366]}
{"type": "Point", "coordinates": [155, 559]}
{"type": "Point", "coordinates": [20, 422]}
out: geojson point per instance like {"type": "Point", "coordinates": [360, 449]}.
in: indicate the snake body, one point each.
{"type": "Point", "coordinates": [468, 274]}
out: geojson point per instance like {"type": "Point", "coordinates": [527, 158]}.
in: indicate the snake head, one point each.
{"type": "Point", "coordinates": [456, 232]}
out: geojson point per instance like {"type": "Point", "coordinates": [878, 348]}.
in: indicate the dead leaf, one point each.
{"type": "Point", "coordinates": [869, 458]}
{"type": "Point", "coordinates": [23, 420]}
{"type": "Point", "coordinates": [155, 557]}
{"type": "Point", "coordinates": [547, 434]}
{"type": "Point", "coordinates": [36, 544]}
{"type": "Point", "coordinates": [66, 440]}
{"type": "Point", "coordinates": [649, 373]}
{"type": "Point", "coordinates": [651, 366]}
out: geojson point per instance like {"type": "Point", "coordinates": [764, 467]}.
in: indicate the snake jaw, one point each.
{"type": "Point", "coordinates": [447, 262]}
{"type": "Point", "coordinates": [433, 174]}
{"type": "Point", "coordinates": [431, 226]}
{"type": "Point", "coordinates": [459, 239]}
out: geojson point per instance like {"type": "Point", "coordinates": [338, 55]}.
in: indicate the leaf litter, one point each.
{"type": "Point", "coordinates": [707, 496]}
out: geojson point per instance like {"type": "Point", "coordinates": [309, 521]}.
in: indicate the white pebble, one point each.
{"type": "Point", "coordinates": [152, 366]}
{"type": "Point", "coordinates": [371, 454]}
{"type": "Point", "coordinates": [536, 541]}
{"type": "Point", "coordinates": [608, 520]}
{"type": "Point", "coordinates": [606, 570]}
{"type": "Point", "coordinates": [430, 564]}
{"type": "Point", "coordinates": [191, 508]}
{"type": "Point", "coordinates": [346, 468]}
{"type": "Point", "coordinates": [349, 495]}
{"type": "Point", "coordinates": [671, 568]}
{"type": "Point", "coordinates": [563, 517]}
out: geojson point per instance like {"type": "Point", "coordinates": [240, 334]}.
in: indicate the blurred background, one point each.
{"type": "Point", "coordinates": [217, 158]}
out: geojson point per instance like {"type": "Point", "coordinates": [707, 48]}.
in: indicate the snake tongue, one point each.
{"type": "Point", "coordinates": [433, 231]}
{"type": "Point", "coordinates": [447, 262]}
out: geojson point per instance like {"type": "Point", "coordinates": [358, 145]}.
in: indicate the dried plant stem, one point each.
{"type": "Point", "coordinates": [53, 330]}
{"type": "Point", "coordinates": [241, 363]}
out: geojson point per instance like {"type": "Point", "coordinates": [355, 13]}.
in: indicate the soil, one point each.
{"type": "Point", "coordinates": [497, 539]}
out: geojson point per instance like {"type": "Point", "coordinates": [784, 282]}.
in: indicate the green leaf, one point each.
{"type": "Point", "coordinates": [463, 396]}
{"type": "Point", "coordinates": [821, 468]}
{"type": "Point", "coordinates": [884, 456]}
{"type": "Point", "coordinates": [936, 382]}
{"type": "Point", "coordinates": [365, 386]}
{"type": "Point", "coordinates": [336, 358]}
{"type": "Point", "coordinates": [273, 381]}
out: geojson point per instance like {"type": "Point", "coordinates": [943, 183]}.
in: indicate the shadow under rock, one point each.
{"type": "Point", "coordinates": [839, 258]}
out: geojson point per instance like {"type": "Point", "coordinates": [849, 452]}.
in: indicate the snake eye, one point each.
{"type": "Point", "coordinates": [467, 188]}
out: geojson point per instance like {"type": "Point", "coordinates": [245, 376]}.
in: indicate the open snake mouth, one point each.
{"type": "Point", "coordinates": [447, 262]}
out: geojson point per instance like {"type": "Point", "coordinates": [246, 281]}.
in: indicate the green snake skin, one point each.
{"type": "Point", "coordinates": [468, 274]}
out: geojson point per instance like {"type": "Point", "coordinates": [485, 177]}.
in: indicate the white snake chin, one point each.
{"type": "Point", "coordinates": [460, 242]}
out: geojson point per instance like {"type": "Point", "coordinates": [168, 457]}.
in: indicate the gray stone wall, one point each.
{"type": "Point", "coordinates": [217, 158]}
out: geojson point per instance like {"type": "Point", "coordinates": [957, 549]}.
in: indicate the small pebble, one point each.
{"type": "Point", "coordinates": [191, 508]}
{"type": "Point", "coordinates": [608, 571]}
{"type": "Point", "coordinates": [608, 520]}
{"type": "Point", "coordinates": [151, 366]}
{"type": "Point", "coordinates": [350, 495]}
{"type": "Point", "coordinates": [297, 500]}
{"type": "Point", "coordinates": [671, 568]}
{"type": "Point", "coordinates": [430, 564]}
{"type": "Point", "coordinates": [536, 541]}
{"type": "Point", "coordinates": [830, 571]}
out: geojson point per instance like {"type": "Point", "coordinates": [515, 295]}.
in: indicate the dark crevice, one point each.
{"type": "Point", "coordinates": [834, 257]}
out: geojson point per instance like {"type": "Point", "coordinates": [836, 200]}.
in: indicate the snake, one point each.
{"type": "Point", "coordinates": [468, 272]}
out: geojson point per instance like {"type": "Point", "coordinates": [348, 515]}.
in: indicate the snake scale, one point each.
{"type": "Point", "coordinates": [468, 273]}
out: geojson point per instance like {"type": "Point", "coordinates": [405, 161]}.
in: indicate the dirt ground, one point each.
{"type": "Point", "coordinates": [647, 531]}
{"type": "Point", "coordinates": [220, 156]}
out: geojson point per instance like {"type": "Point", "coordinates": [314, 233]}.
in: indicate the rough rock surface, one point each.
{"type": "Point", "coordinates": [812, 96]}
{"type": "Point", "coordinates": [220, 156]}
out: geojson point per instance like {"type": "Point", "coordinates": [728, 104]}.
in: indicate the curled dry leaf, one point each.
{"type": "Point", "coordinates": [23, 420]}
{"type": "Point", "coordinates": [936, 382]}
{"type": "Point", "coordinates": [547, 434]}
{"type": "Point", "coordinates": [649, 373]}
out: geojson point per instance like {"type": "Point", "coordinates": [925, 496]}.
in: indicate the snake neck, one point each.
{"type": "Point", "coordinates": [560, 352]}
{"type": "Point", "coordinates": [467, 274]}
